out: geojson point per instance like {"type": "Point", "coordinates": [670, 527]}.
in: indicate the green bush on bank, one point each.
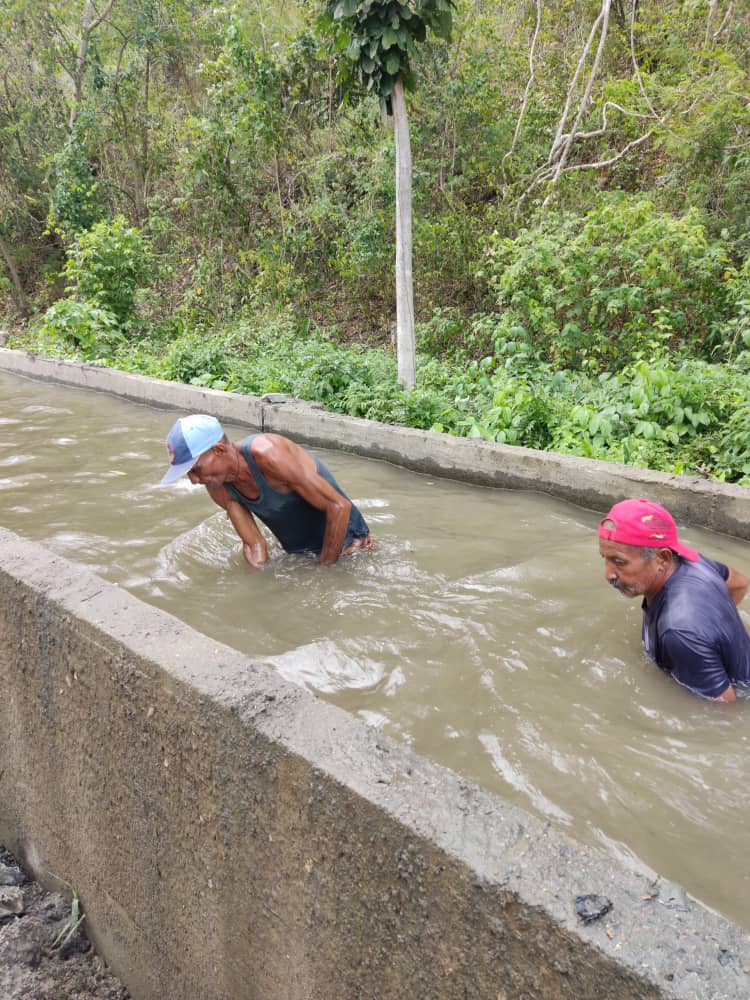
{"type": "Point", "coordinates": [623, 281]}
{"type": "Point", "coordinates": [106, 264]}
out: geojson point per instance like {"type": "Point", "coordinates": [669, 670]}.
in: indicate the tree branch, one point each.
{"type": "Point", "coordinates": [636, 68]}
{"type": "Point", "coordinates": [527, 91]}
{"type": "Point", "coordinates": [574, 81]}
{"type": "Point", "coordinates": [613, 159]}
{"type": "Point", "coordinates": [603, 20]}
{"type": "Point", "coordinates": [595, 133]}
{"type": "Point", "coordinates": [724, 20]}
{"type": "Point", "coordinates": [90, 21]}
{"type": "Point", "coordinates": [18, 293]}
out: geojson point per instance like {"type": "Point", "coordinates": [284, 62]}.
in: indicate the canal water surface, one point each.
{"type": "Point", "coordinates": [479, 630]}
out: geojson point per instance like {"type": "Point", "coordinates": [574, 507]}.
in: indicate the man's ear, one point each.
{"type": "Point", "coordinates": [664, 556]}
{"type": "Point", "coordinates": [220, 448]}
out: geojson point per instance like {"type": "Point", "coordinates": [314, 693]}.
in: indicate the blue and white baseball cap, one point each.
{"type": "Point", "coordinates": [189, 438]}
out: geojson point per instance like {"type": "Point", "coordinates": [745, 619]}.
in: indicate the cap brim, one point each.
{"type": "Point", "coordinates": [686, 552]}
{"type": "Point", "coordinates": [174, 472]}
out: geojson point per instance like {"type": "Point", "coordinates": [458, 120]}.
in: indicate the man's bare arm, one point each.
{"type": "Point", "coordinates": [282, 460]}
{"type": "Point", "coordinates": [253, 543]}
{"type": "Point", "coordinates": [737, 584]}
{"type": "Point", "coordinates": [727, 695]}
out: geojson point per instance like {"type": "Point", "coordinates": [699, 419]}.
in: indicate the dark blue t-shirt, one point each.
{"type": "Point", "coordinates": [692, 629]}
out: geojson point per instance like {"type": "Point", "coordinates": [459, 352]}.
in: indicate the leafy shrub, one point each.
{"type": "Point", "coordinates": [737, 333]}
{"type": "Point", "coordinates": [106, 264]}
{"type": "Point", "coordinates": [76, 202]}
{"type": "Point", "coordinates": [666, 413]}
{"type": "Point", "coordinates": [92, 330]}
{"type": "Point", "coordinates": [621, 283]}
{"type": "Point", "coordinates": [442, 333]}
{"type": "Point", "coordinates": [199, 360]}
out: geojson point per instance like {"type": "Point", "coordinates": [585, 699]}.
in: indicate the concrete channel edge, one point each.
{"type": "Point", "coordinates": [596, 485]}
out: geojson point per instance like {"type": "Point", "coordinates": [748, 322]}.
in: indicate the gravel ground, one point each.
{"type": "Point", "coordinates": [44, 951]}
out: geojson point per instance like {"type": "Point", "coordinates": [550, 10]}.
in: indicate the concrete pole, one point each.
{"type": "Point", "coordinates": [405, 347]}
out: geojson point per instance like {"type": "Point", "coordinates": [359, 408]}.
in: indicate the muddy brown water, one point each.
{"type": "Point", "coordinates": [479, 630]}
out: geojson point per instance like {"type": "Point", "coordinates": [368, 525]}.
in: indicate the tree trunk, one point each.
{"type": "Point", "coordinates": [90, 20]}
{"type": "Point", "coordinates": [18, 293]}
{"type": "Point", "coordinates": [405, 349]}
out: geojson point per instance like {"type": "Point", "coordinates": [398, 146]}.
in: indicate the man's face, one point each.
{"type": "Point", "coordinates": [212, 467]}
{"type": "Point", "coordinates": [627, 571]}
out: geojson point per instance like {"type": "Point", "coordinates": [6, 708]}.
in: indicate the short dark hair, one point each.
{"type": "Point", "coordinates": [647, 553]}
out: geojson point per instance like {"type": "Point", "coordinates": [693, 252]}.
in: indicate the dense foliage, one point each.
{"type": "Point", "coordinates": [187, 190]}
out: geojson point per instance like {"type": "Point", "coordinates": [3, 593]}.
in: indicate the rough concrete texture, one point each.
{"type": "Point", "coordinates": [234, 838]}
{"type": "Point", "coordinates": [597, 485]}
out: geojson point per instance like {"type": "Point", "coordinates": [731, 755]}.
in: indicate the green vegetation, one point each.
{"type": "Point", "coordinates": [189, 191]}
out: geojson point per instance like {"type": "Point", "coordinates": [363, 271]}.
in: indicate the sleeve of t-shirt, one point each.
{"type": "Point", "coordinates": [693, 663]}
{"type": "Point", "coordinates": [720, 568]}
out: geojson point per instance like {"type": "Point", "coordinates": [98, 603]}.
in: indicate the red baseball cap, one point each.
{"type": "Point", "coordinates": [646, 524]}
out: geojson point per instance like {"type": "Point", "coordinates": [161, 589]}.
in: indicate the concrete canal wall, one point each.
{"type": "Point", "coordinates": [234, 838]}
{"type": "Point", "coordinates": [596, 485]}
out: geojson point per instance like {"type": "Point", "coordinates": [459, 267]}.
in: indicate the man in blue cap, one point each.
{"type": "Point", "coordinates": [269, 477]}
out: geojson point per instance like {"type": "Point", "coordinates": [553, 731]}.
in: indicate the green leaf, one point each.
{"type": "Point", "coordinates": [389, 38]}
{"type": "Point", "coordinates": [393, 62]}
{"type": "Point", "coordinates": [644, 429]}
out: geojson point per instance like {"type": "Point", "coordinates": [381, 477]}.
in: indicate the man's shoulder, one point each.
{"type": "Point", "coordinates": [706, 573]}
{"type": "Point", "coordinates": [262, 443]}
{"type": "Point", "coordinates": [710, 568]}
{"type": "Point", "coordinates": [693, 598]}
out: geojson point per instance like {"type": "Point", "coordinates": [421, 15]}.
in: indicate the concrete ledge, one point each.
{"type": "Point", "coordinates": [597, 485]}
{"type": "Point", "coordinates": [234, 838]}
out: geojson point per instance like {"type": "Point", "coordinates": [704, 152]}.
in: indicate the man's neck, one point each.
{"type": "Point", "coordinates": [241, 477]}
{"type": "Point", "coordinates": [669, 570]}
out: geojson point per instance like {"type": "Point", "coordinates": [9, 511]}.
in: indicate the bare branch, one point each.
{"type": "Point", "coordinates": [90, 21]}
{"type": "Point", "coordinates": [603, 20]}
{"type": "Point", "coordinates": [712, 8]}
{"type": "Point", "coordinates": [636, 68]}
{"type": "Point", "coordinates": [724, 20]}
{"type": "Point", "coordinates": [18, 293]}
{"type": "Point", "coordinates": [92, 25]}
{"type": "Point", "coordinates": [574, 80]}
{"type": "Point", "coordinates": [595, 133]}
{"type": "Point", "coordinates": [547, 172]}
{"type": "Point", "coordinates": [612, 159]}
{"type": "Point", "coordinates": [529, 85]}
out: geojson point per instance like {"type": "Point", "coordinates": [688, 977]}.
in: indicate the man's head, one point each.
{"type": "Point", "coordinates": [189, 439]}
{"type": "Point", "coordinates": [638, 542]}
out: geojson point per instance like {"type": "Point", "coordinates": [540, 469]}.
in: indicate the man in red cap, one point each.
{"type": "Point", "coordinates": [691, 627]}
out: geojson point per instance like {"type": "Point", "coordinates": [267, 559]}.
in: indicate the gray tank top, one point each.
{"type": "Point", "coordinates": [297, 524]}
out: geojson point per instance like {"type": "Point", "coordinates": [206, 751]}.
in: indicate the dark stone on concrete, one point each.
{"type": "Point", "coordinates": [11, 875]}
{"type": "Point", "coordinates": [592, 907]}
